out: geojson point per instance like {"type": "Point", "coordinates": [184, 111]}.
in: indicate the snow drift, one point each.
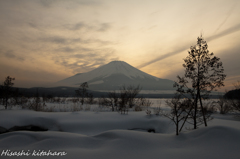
{"type": "Point", "coordinates": [100, 135]}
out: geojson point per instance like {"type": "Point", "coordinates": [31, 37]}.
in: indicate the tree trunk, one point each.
{"type": "Point", "coordinates": [186, 118]}
{"type": "Point", "coordinates": [195, 112]}
{"type": "Point", "coordinates": [82, 100]}
{"type": "Point", "coordinates": [177, 125]}
{"type": "Point", "coordinates": [112, 107]}
{"type": "Point", "coordinates": [204, 118]}
{"type": "Point", "coordinates": [6, 103]}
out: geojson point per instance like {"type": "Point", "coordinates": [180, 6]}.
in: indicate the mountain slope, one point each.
{"type": "Point", "coordinates": [115, 74]}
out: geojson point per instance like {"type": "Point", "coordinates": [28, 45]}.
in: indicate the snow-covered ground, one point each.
{"type": "Point", "coordinates": [110, 135]}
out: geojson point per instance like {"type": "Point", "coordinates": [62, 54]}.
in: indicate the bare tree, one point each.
{"type": "Point", "coordinates": [36, 104]}
{"type": "Point", "coordinates": [7, 90]}
{"type": "Point", "coordinates": [196, 118]}
{"type": "Point", "coordinates": [132, 92]}
{"type": "Point", "coordinates": [103, 101]}
{"type": "Point", "coordinates": [177, 112]}
{"type": "Point", "coordinates": [203, 73]}
{"type": "Point", "coordinates": [140, 104]}
{"type": "Point", "coordinates": [90, 98]}
{"type": "Point", "coordinates": [223, 105]}
{"type": "Point", "coordinates": [17, 97]}
{"type": "Point", "coordinates": [148, 103]}
{"type": "Point", "coordinates": [113, 99]}
{"type": "Point", "coordinates": [82, 92]}
{"type": "Point", "coordinates": [123, 100]}
{"type": "Point", "coordinates": [143, 103]}
{"type": "Point", "coordinates": [127, 97]}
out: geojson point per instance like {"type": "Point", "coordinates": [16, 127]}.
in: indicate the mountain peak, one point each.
{"type": "Point", "coordinates": [115, 74]}
{"type": "Point", "coordinates": [118, 64]}
{"type": "Point", "coordinates": [120, 67]}
{"type": "Point", "coordinates": [112, 62]}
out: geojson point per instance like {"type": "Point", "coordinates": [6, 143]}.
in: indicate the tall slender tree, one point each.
{"type": "Point", "coordinates": [203, 74]}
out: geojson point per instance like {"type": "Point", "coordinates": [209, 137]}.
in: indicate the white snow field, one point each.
{"type": "Point", "coordinates": [110, 135]}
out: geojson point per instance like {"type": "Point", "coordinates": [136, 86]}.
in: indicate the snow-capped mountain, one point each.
{"type": "Point", "coordinates": [115, 74]}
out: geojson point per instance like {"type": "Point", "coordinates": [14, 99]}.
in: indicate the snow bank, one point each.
{"type": "Point", "coordinates": [91, 135]}
{"type": "Point", "coordinates": [214, 143]}
{"type": "Point", "coordinates": [87, 123]}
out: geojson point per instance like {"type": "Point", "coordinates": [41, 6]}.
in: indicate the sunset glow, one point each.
{"type": "Point", "coordinates": [46, 41]}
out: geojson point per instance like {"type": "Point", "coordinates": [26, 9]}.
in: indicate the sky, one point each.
{"type": "Point", "coordinates": [45, 41]}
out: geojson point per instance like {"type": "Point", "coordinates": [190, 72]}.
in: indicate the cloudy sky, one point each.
{"type": "Point", "coordinates": [45, 41]}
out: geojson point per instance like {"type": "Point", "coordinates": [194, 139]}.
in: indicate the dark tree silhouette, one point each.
{"type": "Point", "coordinates": [203, 73]}
{"type": "Point", "coordinates": [232, 99]}
{"type": "Point", "coordinates": [177, 113]}
{"type": "Point", "coordinates": [113, 99]}
{"type": "Point", "coordinates": [223, 105]}
{"type": "Point", "coordinates": [123, 100]}
{"type": "Point", "coordinates": [127, 97]}
{"type": "Point", "coordinates": [131, 93]}
{"type": "Point", "coordinates": [82, 92]}
{"type": "Point", "coordinates": [7, 90]}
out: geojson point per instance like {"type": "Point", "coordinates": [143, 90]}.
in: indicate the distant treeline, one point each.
{"type": "Point", "coordinates": [70, 92]}
{"type": "Point", "coordinates": [233, 94]}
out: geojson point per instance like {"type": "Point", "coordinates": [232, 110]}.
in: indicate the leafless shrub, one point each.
{"type": "Point", "coordinates": [103, 101]}
{"type": "Point", "coordinates": [90, 99]}
{"type": "Point", "coordinates": [36, 104]}
{"type": "Point", "coordinates": [177, 113]}
{"type": "Point", "coordinates": [73, 100]}
{"type": "Point", "coordinates": [131, 93]}
{"type": "Point", "coordinates": [210, 107]}
{"type": "Point", "coordinates": [75, 107]}
{"type": "Point", "coordinates": [123, 100]}
{"type": "Point", "coordinates": [63, 100]}
{"type": "Point", "coordinates": [48, 109]}
{"type": "Point", "coordinates": [148, 103]}
{"type": "Point", "coordinates": [87, 107]}
{"type": "Point", "coordinates": [82, 92]}
{"type": "Point", "coordinates": [113, 99]}
{"type": "Point", "coordinates": [223, 105]}
{"type": "Point", "coordinates": [137, 108]}
{"type": "Point", "coordinates": [56, 100]}
{"type": "Point", "coordinates": [63, 108]}
{"type": "Point", "coordinates": [157, 110]}
{"type": "Point", "coordinates": [235, 103]}
{"type": "Point", "coordinates": [23, 102]}
{"type": "Point", "coordinates": [148, 112]}
{"type": "Point", "coordinates": [143, 103]}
